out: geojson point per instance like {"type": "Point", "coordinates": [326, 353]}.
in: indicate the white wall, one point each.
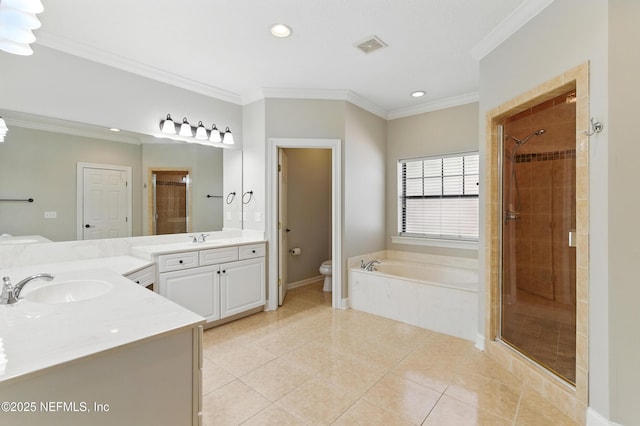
{"type": "Point", "coordinates": [564, 35]}
{"type": "Point", "coordinates": [253, 168]}
{"type": "Point", "coordinates": [624, 205]}
{"type": "Point", "coordinates": [445, 131]}
{"type": "Point", "coordinates": [58, 85]}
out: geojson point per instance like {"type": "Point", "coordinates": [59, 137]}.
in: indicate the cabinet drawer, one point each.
{"type": "Point", "coordinates": [251, 251]}
{"type": "Point", "coordinates": [175, 262]}
{"type": "Point", "coordinates": [218, 255]}
{"type": "Point", "coordinates": [144, 277]}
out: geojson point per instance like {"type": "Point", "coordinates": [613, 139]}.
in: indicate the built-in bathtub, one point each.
{"type": "Point", "coordinates": [435, 292]}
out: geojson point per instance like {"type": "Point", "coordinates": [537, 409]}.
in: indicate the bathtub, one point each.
{"type": "Point", "coordinates": [434, 292]}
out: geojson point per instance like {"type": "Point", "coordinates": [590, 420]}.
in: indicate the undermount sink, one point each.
{"type": "Point", "coordinates": [68, 291]}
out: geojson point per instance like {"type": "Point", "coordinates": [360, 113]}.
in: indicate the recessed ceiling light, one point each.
{"type": "Point", "coordinates": [418, 93]}
{"type": "Point", "coordinates": [280, 30]}
{"type": "Point", "coordinates": [113, 129]}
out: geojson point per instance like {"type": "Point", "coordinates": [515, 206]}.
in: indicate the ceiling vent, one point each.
{"type": "Point", "coordinates": [370, 44]}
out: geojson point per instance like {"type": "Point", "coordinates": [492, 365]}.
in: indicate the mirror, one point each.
{"type": "Point", "coordinates": [42, 159]}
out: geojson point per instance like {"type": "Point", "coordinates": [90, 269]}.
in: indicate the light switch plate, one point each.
{"type": "Point", "coordinates": [50, 215]}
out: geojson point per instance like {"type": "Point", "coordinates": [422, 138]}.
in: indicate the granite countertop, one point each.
{"type": "Point", "coordinates": [36, 336]}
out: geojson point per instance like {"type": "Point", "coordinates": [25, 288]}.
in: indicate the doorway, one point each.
{"type": "Point", "coordinates": [334, 145]}
{"type": "Point", "coordinates": [538, 303]}
{"type": "Point", "coordinates": [170, 201]}
{"type": "Point", "coordinates": [103, 201]}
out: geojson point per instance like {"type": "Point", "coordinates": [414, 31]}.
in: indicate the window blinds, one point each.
{"type": "Point", "coordinates": [439, 196]}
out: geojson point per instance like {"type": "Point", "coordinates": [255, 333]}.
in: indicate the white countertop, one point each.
{"type": "Point", "coordinates": [148, 251]}
{"type": "Point", "coordinates": [35, 336]}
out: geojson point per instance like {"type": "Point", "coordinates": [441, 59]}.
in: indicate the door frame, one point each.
{"type": "Point", "coordinates": [80, 194]}
{"type": "Point", "coordinates": [335, 145]}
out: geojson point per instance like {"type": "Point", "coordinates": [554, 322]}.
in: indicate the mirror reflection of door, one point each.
{"type": "Point", "coordinates": [171, 191]}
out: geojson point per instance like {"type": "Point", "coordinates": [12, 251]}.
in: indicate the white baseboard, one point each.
{"type": "Point", "coordinates": [344, 303]}
{"type": "Point", "coordinates": [305, 282]}
{"type": "Point", "coordinates": [480, 342]}
{"type": "Point", "coordinates": [596, 419]}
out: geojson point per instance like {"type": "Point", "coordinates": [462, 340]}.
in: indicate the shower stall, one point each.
{"type": "Point", "coordinates": [538, 220]}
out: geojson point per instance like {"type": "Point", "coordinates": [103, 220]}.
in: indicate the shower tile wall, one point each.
{"type": "Point", "coordinates": [539, 268]}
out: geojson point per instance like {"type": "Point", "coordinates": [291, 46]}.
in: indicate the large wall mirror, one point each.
{"type": "Point", "coordinates": [74, 174]}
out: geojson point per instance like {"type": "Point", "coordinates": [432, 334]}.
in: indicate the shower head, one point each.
{"type": "Point", "coordinates": [526, 138]}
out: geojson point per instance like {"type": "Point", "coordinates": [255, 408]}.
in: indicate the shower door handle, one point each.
{"type": "Point", "coordinates": [572, 238]}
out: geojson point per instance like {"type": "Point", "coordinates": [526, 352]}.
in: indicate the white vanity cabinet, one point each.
{"type": "Point", "coordinates": [215, 283]}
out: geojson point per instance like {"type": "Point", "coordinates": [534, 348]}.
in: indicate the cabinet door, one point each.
{"type": "Point", "coordinates": [242, 286]}
{"type": "Point", "coordinates": [196, 289]}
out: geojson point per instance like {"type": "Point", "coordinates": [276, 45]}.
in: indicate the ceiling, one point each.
{"type": "Point", "coordinates": [224, 48]}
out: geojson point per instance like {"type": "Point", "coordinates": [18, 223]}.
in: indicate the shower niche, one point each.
{"type": "Point", "coordinates": [537, 151]}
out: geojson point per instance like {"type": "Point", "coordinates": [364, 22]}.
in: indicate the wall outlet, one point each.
{"type": "Point", "coordinates": [50, 215]}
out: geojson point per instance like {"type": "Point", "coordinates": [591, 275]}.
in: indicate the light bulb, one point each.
{"type": "Point", "coordinates": [215, 134]}
{"type": "Point", "coordinates": [168, 126]}
{"type": "Point", "coordinates": [185, 128]}
{"type": "Point", "coordinates": [201, 132]}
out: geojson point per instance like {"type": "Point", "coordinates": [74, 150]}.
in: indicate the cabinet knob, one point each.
{"type": "Point", "coordinates": [218, 272]}
{"type": "Point", "coordinates": [224, 271]}
{"type": "Point", "coordinates": [180, 262]}
{"type": "Point", "coordinates": [253, 251]}
{"type": "Point", "coordinates": [137, 281]}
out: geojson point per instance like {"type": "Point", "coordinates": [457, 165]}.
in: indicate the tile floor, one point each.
{"type": "Point", "coordinates": [306, 364]}
{"type": "Point", "coordinates": [544, 330]}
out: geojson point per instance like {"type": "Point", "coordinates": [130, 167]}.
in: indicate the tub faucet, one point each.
{"type": "Point", "coordinates": [368, 266]}
{"type": "Point", "coordinates": [10, 293]}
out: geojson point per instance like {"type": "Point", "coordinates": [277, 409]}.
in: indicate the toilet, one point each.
{"type": "Point", "coordinates": [325, 269]}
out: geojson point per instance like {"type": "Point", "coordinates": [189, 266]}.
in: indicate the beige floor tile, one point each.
{"type": "Point", "coordinates": [535, 411]}
{"type": "Point", "coordinates": [435, 373]}
{"type": "Point", "coordinates": [214, 377]}
{"type": "Point", "coordinates": [403, 398]}
{"type": "Point", "coordinates": [232, 405]}
{"type": "Point", "coordinates": [241, 360]}
{"type": "Point", "coordinates": [313, 356]}
{"type": "Point", "coordinates": [363, 413]}
{"type": "Point", "coordinates": [276, 378]}
{"type": "Point", "coordinates": [490, 395]}
{"type": "Point", "coordinates": [355, 375]}
{"type": "Point", "coordinates": [478, 362]}
{"type": "Point", "coordinates": [317, 402]}
{"type": "Point", "coordinates": [451, 412]}
{"type": "Point", "coordinates": [273, 416]}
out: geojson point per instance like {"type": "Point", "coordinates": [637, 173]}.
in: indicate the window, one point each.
{"type": "Point", "coordinates": [439, 197]}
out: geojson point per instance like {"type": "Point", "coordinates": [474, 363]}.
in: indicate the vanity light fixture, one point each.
{"type": "Point", "coordinates": [3, 129]}
{"type": "Point", "coordinates": [185, 128]}
{"type": "Point", "coordinates": [200, 132]}
{"type": "Point", "coordinates": [228, 137]}
{"type": "Point", "coordinates": [168, 126]}
{"type": "Point", "coordinates": [214, 135]}
{"type": "Point", "coordinates": [17, 22]}
{"type": "Point", "coordinates": [280, 30]}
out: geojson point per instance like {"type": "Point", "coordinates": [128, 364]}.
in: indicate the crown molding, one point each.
{"type": "Point", "coordinates": [505, 29]}
{"type": "Point", "coordinates": [436, 105]}
{"type": "Point", "coordinates": [119, 62]}
{"type": "Point", "coordinates": [322, 94]}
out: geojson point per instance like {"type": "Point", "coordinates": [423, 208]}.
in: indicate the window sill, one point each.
{"type": "Point", "coordinates": [434, 242]}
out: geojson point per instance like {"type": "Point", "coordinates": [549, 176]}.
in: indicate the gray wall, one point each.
{"type": "Point", "coordinates": [444, 131]}
{"type": "Point", "coordinates": [624, 205]}
{"type": "Point", "coordinates": [567, 33]}
{"type": "Point", "coordinates": [43, 165]}
{"type": "Point", "coordinates": [308, 210]}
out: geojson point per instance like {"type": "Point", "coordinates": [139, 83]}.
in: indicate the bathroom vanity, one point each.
{"type": "Point", "coordinates": [91, 347]}
{"type": "Point", "coordinates": [220, 279]}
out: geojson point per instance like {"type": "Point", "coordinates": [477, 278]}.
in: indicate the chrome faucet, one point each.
{"type": "Point", "coordinates": [200, 238]}
{"type": "Point", "coordinates": [368, 266]}
{"type": "Point", "coordinates": [11, 293]}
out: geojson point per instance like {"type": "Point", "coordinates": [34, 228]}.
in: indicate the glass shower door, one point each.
{"type": "Point", "coordinates": [538, 219]}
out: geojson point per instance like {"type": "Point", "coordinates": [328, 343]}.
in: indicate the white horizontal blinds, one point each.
{"type": "Point", "coordinates": [439, 197]}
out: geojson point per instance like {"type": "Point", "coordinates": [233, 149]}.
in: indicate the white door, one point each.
{"type": "Point", "coordinates": [105, 204]}
{"type": "Point", "coordinates": [282, 226]}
